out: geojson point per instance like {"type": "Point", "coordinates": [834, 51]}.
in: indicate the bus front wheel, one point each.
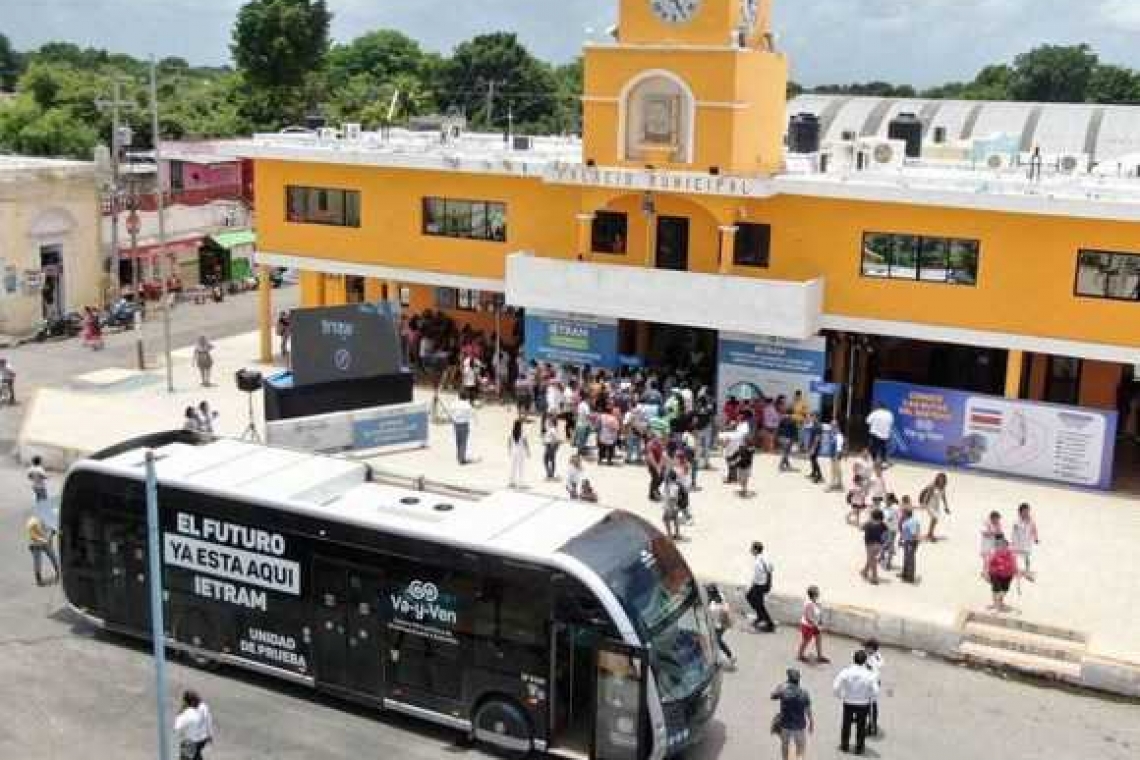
{"type": "Point", "coordinates": [503, 728]}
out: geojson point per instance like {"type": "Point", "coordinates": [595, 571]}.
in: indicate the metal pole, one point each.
{"type": "Point", "coordinates": [114, 104]}
{"type": "Point", "coordinates": [157, 628]}
{"type": "Point", "coordinates": [850, 387]}
{"type": "Point", "coordinates": [116, 285]}
{"type": "Point", "coordinates": [158, 194]}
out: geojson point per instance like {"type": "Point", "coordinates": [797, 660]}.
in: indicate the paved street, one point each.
{"type": "Point", "coordinates": [65, 688]}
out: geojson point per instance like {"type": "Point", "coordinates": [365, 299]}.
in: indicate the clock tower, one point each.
{"type": "Point", "coordinates": [689, 85]}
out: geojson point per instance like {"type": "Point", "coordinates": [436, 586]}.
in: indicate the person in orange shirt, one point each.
{"type": "Point", "coordinates": [39, 544]}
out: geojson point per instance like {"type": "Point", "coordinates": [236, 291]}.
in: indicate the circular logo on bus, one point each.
{"type": "Point", "coordinates": [343, 359]}
{"type": "Point", "coordinates": [423, 592]}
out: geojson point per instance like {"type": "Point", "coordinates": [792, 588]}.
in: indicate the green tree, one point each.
{"type": "Point", "coordinates": [57, 133]}
{"type": "Point", "coordinates": [1053, 74]}
{"type": "Point", "coordinates": [568, 80]}
{"type": "Point", "coordinates": [278, 43]}
{"type": "Point", "coordinates": [498, 64]}
{"type": "Point", "coordinates": [992, 83]}
{"type": "Point", "coordinates": [11, 64]}
{"type": "Point", "coordinates": [381, 55]}
{"type": "Point", "coordinates": [1113, 84]}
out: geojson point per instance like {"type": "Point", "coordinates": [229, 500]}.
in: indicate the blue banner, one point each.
{"type": "Point", "coordinates": [1026, 438]}
{"type": "Point", "coordinates": [750, 365]}
{"type": "Point", "coordinates": [404, 425]}
{"type": "Point", "coordinates": [569, 339]}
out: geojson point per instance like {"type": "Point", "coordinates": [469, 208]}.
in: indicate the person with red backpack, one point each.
{"type": "Point", "coordinates": [1002, 569]}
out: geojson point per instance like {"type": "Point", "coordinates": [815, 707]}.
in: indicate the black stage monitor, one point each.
{"type": "Point", "coordinates": [341, 343]}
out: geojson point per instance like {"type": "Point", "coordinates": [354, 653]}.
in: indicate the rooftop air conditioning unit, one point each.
{"type": "Point", "coordinates": [1073, 163]}
{"type": "Point", "coordinates": [522, 142]}
{"type": "Point", "coordinates": [836, 157]}
{"type": "Point", "coordinates": [881, 154]}
{"type": "Point", "coordinates": [998, 161]}
{"type": "Point", "coordinates": [327, 133]}
{"type": "Point", "coordinates": [352, 131]}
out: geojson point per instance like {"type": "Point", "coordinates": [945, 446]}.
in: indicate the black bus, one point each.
{"type": "Point", "coordinates": [527, 622]}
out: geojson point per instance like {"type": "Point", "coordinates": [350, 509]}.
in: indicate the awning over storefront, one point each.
{"type": "Point", "coordinates": [777, 308]}
{"type": "Point", "coordinates": [237, 239]}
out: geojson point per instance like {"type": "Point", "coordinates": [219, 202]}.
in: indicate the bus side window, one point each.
{"type": "Point", "coordinates": [576, 604]}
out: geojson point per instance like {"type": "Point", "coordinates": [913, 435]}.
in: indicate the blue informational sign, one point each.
{"type": "Point", "coordinates": [826, 389]}
{"type": "Point", "coordinates": [1046, 441]}
{"type": "Point", "coordinates": [571, 339]}
{"type": "Point", "coordinates": [405, 425]}
{"type": "Point", "coordinates": [750, 365]}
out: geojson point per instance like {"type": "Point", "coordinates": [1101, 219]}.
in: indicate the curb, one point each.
{"type": "Point", "coordinates": [861, 623]}
{"type": "Point", "coordinates": [1098, 673]}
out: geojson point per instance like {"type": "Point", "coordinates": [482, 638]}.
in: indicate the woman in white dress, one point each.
{"type": "Point", "coordinates": [519, 450]}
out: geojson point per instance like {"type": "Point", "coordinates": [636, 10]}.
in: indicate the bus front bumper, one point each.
{"type": "Point", "coordinates": [686, 720]}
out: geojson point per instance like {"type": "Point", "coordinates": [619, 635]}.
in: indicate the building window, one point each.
{"type": "Point", "coordinates": [752, 245]}
{"type": "Point", "coordinates": [951, 261]}
{"type": "Point", "coordinates": [457, 299]}
{"type": "Point", "coordinates": [469, 220]}
{"type": "Point", "coordinates": [610, 232]}
{"type": "Point", "coordinates": [1102, 274]}
{"type": "Point", "coordinates": [316, 205]}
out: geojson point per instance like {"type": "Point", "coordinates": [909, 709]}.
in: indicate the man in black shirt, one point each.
{"type": "Point", "coordinates": [874, 535]}
{"type": "Point", "coordinates": [795, 721]}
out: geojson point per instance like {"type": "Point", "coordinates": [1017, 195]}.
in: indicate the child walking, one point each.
{"type": "Point", "coordinates": [721, 616]}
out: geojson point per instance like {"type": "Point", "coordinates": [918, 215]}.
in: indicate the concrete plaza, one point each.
{"type": "Point", "coordinates": [1087, 574]}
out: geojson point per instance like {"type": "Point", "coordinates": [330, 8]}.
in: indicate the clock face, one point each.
{"type": "Point", "coordinates": [675, 11]}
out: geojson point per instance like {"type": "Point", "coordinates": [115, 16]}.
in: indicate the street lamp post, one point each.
{"type": "Point", "coordinates": [161, 206]}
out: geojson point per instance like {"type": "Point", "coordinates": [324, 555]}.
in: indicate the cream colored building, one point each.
{"type": "Point", "coordinates": [50, 261]}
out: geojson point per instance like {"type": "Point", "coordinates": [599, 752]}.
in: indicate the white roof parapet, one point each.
{"type": "Point", "coordinates": [1103, 194]}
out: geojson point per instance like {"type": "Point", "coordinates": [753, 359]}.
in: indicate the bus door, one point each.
{"type": "Point", "coordinates": [620, 716]}
{"type": "Point", "coordinates": [127, 594]}
{"type": "Point", "coordinates": [347, 645]}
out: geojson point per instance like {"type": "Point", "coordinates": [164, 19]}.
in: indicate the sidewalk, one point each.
{"type": "Point", "coordinates": [1088, 578]}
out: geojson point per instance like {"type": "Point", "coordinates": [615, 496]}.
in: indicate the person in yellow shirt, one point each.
{"type": "Point", "coordinates": [800, 413]}
{"type": "Point", "coordinates": [39, 544]}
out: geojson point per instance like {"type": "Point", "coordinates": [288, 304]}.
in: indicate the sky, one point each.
{"type": "Point", "coordinates": [920, 42]}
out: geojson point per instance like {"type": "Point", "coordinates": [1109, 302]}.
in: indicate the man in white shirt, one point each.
{"type": "Point", "coordinates": [880, 425]}
{"type": "Point", "coordinates": [857, 687]}
{"type": "Point", "coordinates": [760, 586]}
{"type": "Point", "coordinates": [193, 728]}
{"type": "Point", "coordinates": [462, 413]}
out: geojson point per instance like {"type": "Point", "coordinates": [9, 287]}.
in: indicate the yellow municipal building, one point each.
{"type": "Point", "coordinates": [683, 205]}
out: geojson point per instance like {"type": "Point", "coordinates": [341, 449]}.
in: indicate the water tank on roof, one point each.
{"type": "Point", "coordinates": [908, 128]}
{"type": "Point", "coordinates": [803, 133]}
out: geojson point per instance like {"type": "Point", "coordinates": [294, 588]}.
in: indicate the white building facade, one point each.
{"type": "Point", "coordinates": [50, 261]}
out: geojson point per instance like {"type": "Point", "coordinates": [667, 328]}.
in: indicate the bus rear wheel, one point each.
{"type": "Point", "coordinates": [502, 727]}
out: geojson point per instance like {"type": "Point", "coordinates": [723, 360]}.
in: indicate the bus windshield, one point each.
{"type": "Point", "coordinates": [655, 587]}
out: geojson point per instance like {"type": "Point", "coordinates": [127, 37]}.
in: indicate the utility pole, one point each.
{"type": "Point", "coordinates": [114, 104]}
{"type": "Point", "coordinates": [160, 258]}
{"type": "Point", "coordinates": [490, 103]}
{"type": "Point", "coordinates": [157, 624]}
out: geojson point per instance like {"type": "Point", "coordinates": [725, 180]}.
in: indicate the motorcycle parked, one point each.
{"type": "Point", "coordinates": [60, 326]}
{"type": "Point", "coordinates": [121, 315]}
